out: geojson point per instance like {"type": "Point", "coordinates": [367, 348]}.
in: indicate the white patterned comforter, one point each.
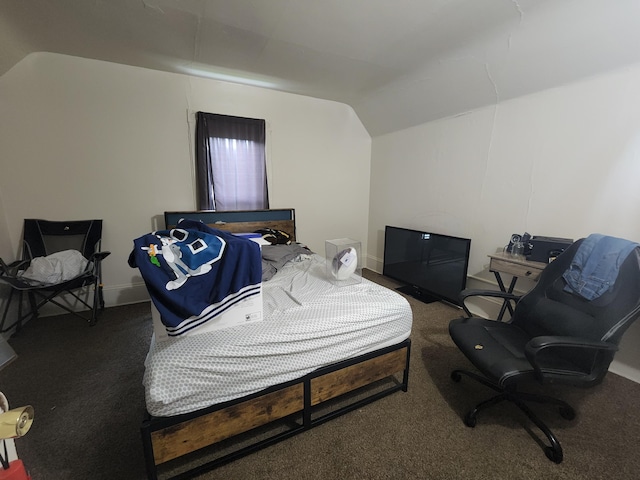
{"type": "Point", "coordinates": [308, 323]}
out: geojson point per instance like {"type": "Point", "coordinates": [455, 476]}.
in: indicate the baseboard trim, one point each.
{"type": "Point", "coordinates": [114, 296]}
{"type": "Point", "coordinates": [625, 371]}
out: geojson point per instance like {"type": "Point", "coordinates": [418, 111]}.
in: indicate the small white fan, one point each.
{"type": "Point", "coordinates": [344, 263]}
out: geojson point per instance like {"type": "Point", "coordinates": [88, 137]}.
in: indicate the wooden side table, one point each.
{"type": "Point", "coordinates": [515, 266]}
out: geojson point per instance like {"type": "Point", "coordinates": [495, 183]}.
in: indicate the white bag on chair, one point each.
{"type": "Point", "coordinates": [55, 268]}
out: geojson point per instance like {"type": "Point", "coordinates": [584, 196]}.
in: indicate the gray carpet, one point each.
{"type": "Point", "coordinates": [85, 385]}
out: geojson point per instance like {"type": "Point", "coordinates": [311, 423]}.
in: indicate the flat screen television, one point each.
{"type": "Point", "coordinates": [431, 266]}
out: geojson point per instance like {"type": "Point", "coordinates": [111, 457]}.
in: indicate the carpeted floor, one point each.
{"type": "Point", "coordinates": [85, 385]}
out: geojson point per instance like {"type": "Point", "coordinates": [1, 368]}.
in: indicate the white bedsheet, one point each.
{"type": "Point", "coordinates": [308, 323]}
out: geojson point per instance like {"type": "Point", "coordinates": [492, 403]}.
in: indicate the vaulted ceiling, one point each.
{"type": "Point", "coordinates": [398, 63]}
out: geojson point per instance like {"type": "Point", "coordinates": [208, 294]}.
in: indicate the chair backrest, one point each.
{"type": "Point", "coordinates": [44, 237]}
{"type": "Point", "coordinates": [550, 310]}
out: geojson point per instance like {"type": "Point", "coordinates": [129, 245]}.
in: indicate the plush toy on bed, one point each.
{"type": "Point", "coordinates": [275, 237]}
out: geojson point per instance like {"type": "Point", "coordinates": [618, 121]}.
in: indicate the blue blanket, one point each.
{"type": "Point", "coordinates": [595, 266]}
{"type": "Point", "coordinates": [195, 273]}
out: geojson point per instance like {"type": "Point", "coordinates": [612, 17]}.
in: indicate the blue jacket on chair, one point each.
{"type": "Point", "coordinates": [595, 266]}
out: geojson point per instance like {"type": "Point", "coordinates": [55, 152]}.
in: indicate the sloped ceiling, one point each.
{"type": "Point", "coordinates": [398, 63]}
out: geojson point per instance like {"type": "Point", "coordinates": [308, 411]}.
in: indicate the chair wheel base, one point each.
{"type": "Point", "coordinates": [470, 419]}
{"type": "Point", "coordinates": [552, 452]}
{"type": "Point", "coordinates": [553, 455]}
{"type": "Point", "coordinates": [567, 413]}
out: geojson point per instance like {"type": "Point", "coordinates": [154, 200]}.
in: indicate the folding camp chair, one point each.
{"type": "Point", "coordinates": [41, 239]}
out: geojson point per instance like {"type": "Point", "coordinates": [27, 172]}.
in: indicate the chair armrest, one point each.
{"type": "Point", "coordinates": [94, 266]}
{"type": "Point", "coordinates": [549, 341]}
{"type": "Point", "coordinates": [538, 344]}
{"type": "Point", "coordinates": [12, 269]}
{"type": "Point", "coordinates": [468, 292]}
{"type": "Point", "coordinates": [99, 256]}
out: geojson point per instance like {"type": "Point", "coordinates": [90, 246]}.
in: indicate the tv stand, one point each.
{"type": "Point", "coordinates": [418, 294]}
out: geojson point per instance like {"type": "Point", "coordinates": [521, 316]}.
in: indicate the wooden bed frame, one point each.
{"type": "Point", "coordinates": [297, 405]}
{"type": "Point", "coordinates": [241, 221]}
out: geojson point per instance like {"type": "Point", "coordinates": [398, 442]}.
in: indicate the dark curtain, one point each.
{"type": "Point", "coordinates": [230, 163]}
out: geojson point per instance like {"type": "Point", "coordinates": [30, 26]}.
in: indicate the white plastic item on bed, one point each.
{"type": "Point", "coordinates": [343, 261]}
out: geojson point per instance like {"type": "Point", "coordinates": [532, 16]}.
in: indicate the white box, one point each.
{"type": "Point", "coordinates": [246, 311]}
{"type": "Point", "coordinates": [343, 257]}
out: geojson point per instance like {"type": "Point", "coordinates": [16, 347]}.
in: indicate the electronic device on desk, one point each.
{"type": "Point", "coordinates": [546, 249]}
{"type": "Point", "coordinates": [516, 240]}
{"type": "Point", "coordinates": [431, 266]}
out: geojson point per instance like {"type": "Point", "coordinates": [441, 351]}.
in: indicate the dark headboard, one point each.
{"type": "Point", "coordinates": [240, 221]}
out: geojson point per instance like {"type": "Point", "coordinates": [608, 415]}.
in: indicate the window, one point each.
{"type": "Point", "coordinates": [231, 169]}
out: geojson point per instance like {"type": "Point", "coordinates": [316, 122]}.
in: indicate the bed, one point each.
{"type": "Point", "coordinates": [321, 350]}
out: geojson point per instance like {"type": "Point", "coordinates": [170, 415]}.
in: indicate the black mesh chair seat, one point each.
{"type": "Point", "coordinates": [554, 337]}
{"type": "Point", "coordinates": [42, 238]}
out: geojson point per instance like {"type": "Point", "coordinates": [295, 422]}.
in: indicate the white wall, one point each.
{"type": "Point", "coordinates": [88, 139]}
{"type": "Point", "coordinates": [81, 138]}
{"type": "Point", "coordinates": [564, 162]}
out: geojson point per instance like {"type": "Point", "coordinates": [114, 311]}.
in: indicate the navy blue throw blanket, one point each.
{"type": "Point", "coordinates": [595, 266]}
{"type": "Point", "coordinates": [195, 273]}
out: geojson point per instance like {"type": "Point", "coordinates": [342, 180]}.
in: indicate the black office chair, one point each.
{"type": "Point", "coordinates": [553, 337]}
{"type": "Point", "coordinates": [42, 238]}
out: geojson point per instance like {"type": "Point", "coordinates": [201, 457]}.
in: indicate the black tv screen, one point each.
{"type": "Point", "coordinates": [431, 266]}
